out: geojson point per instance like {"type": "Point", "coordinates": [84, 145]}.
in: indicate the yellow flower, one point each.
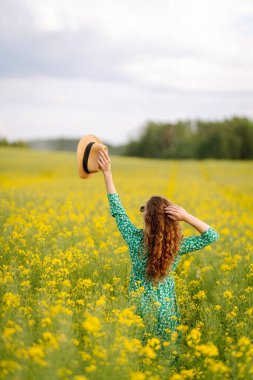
{"type": "Point", "coordinates": [92, 323]}
{"type": "Point", "coordinates": [25, 284]}
{"type": "Point", "coordinates": [138, 376]}
{"type": "Point", "coordinates": [8, 332]}
{"type": "Point", "coordinates": [46, 322]}
{"type": "Point", "coordinates": [193, 337]}
{"type": "Point", "coordinates": [220, 367]}
{"type": "Point", "coordinates": [249, 311]}
{"type": "Point", "coordinates": [201, 295]}
{"type": "Point", "coordinates": [66, 283]}
{"type": "Point", "coordinates": [174, 336]}
{"type": "Point", "coordinates": [148, 352]}
{"type": "Point", "coordinates": [229, 339]}
{"type": "Point", "coordinates": [243, 341]}
{"type": "Point", "coordinates": [128, 317]}
{"type": "Point", "coordinates": [155, 343]}
{"type": "Point", "coordinates": [80, 302]}
{"type": "Point", "coordinates": [85, 355]}
{"type": "Point", "coordinates": [208, 349]}
{"type": "Point", "coordinates": [137, 292]}
{"type": "Point", "coordinates": [249, 289]}
{"type": "Point", "coordinates": [216, 366]}
{"type": "Point", "coordinates": [233, 313]}
{"type": "Point", "coordinates": [119, 250]}
{"type": "Point", "coordinates": [59, 309]}
{"type": "Point", "coordinates": [87, 283]}
{"type": "Point", "coordinates": [226, 267]}
{"type": "Point", "coordinates": [108, 287]}
{"type": "Point", "coordinates": [228, 294]}
{"type": "Point", "coordinates": [50, 339]}
{"type": "Point", "coordinates": [184, 374]}
{"type": "Point", "coordinates": [188, 373]}
{"type": "Point", "coordinates": [116, 280]}
{"type": "Point", "coordinates": [37, 354]}
{"type": "Point", "coordinates": [183, 328]}
{"type": "Point", "coordinates": [177, 376]}
{"type": "Point", "coordinates": [99, 352]}
{"type": "Point", "coordinates": [101, 301]}
{"type": "Point", "coordinates": [132, 345]}
{"type": "Point", "coordinates": [11, 329]}
{"type": "Point", "coordinates": [8, 366]}
{"type": "Point", "coordinates": [12, 300]}
{"type": "Point", "coordinates": [91, 368]}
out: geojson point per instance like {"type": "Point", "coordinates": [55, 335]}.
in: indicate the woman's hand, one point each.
{"type": "Point", "coordinates": [176, 212]}
{"type": "Point", "coordinates": [104, 161]}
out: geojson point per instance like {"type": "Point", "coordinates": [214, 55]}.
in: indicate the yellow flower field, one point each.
{"type": "Point", "coordinates": [65, 270]}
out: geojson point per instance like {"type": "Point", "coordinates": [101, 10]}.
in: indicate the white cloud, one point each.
{"type": "Point", "coordinates": [183, 45]}
{"type": "Point", "coordinates": [202, 24]}
{"type": "Point", "coordinates": [190, 74]}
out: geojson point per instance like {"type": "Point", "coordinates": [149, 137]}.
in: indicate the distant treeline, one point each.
{"type": "Point", "coordinates": [228, 139]}
{"type": "Point", "coordinates": [67, 145]}
{"type": "Point", "coordinates": [62, 144]}
{"type": "Point", "coordinates": [17, 143]}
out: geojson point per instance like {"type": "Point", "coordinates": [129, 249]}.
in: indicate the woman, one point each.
{"type": "Point", "coordinates": [155, 252]}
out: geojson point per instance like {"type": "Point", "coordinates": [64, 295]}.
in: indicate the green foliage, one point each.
{"type": "Point", "coordinates": [228, 139]}
{"type": "Point", "coordinates": [17, 144]}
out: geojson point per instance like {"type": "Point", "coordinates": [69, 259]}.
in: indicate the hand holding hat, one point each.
{"type": "Point", "coordinates": [87, 155]}
{"type": "Point", "coordinates": [104, 161]}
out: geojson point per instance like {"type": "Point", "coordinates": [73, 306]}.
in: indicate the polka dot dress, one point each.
{"type": "Point", "coordinates": [158, 303]}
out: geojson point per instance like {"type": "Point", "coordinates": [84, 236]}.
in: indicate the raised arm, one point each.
{"type": "Point", "coordinates": [176, 212]}
{"type": "Point", "coordinates": [193, 243]}
{"type": "Point", "coordinates": [125, 226]}
{"type": "Point", "coordinates": [105, 165]}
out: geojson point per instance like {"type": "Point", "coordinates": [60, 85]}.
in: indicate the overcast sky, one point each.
{"type": "Point", "coordinates": [72, 67]}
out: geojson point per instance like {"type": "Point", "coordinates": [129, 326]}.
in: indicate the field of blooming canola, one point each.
{"type": "Point", "coordinates": [65, 271]}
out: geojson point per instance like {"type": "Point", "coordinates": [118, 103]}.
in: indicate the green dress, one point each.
{"type": "Point", "coordinates": [160, 301]}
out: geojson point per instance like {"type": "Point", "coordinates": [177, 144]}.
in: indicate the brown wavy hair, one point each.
{"type": "Point", "coordinates": [162, 236]}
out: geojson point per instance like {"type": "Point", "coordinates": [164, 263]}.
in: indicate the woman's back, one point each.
{"type": "Point", "coordinates": [135, 238]}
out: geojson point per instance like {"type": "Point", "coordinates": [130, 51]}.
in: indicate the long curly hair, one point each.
{"type": "Point", "coordinates": [162, 236]}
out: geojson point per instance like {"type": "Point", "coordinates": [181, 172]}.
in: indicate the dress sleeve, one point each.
{"type": "Point", "coordinates": [125, 226]}
{"type": "Point", "coordinates": [194, 243]}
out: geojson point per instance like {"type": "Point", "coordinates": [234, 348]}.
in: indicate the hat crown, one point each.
{"type": "Point", "coordinates": [87, 155]}
{"type": "Point", "coordinates": [92, 163]}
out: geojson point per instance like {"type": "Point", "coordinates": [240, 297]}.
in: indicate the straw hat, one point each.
{"type": "Point", "coordinates": [87, 155]}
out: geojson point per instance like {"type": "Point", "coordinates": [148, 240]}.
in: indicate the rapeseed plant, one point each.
{"type": "Point", "coordinates": [64, 271]}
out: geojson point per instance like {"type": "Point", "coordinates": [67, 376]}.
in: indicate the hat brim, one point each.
{"type": "Point", "coordinates": [80, 153]}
